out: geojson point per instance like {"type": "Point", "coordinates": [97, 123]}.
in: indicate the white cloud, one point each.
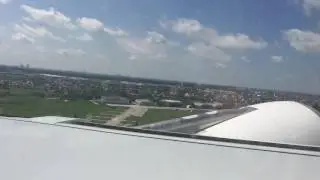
{"type": "Point", "coordinates": [133, 57]}
{"type": "Point", "coordinates": [277, 59]}
{"type": "Point", "coordinates": [310, 5]}
{"type": "Point", "coordinates": [55, 18]}
{"type": "Point", "coordinates": [208, 52]}
{"type": "Point", "coordinates": [36, 32]}
{"type": "Point", "coordinates": [238, 41]}
{"type": "Point", "coordinates": [209, 44]}
{"type": "Point", "coordinates": [195, 30]}
{"type": "Point", "coordinates": [115, 32]}
{"type": "Point", "coordinates": [90, 24]}
{"type": "Point", "coordinates": [22, 37]}
{"type": "Point", "coordinates": [142, 48]}
{"type": "Point", "coordinates": [304, 41]}
{"type": "Point", "coordinates": [220, 65]}
{"type": "Point", "coordinates": [182, 25]}
{"type": "Point", "coordinates": [156, 37]}
{"type": "Point", "coordinates": [245, 59]}
{"type": "Point", "coordinates": [5, 1]}
{"type": "Point", "coordinates": [84, 37]}
{"type": "Point", "coordinates": [71, 52]}
{"type": "Point", "coordinates": [41, 49]}
{"type": "Point", "coordinates": [27, 19]}
{"type": "Point", "coordinates": [51, 17]}
{"type": "Point", "coordinates": [100, 56]}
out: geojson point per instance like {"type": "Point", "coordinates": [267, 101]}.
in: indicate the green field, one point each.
{"type": "Point", "coordinates": [31, 103]}
{"type": "Point", "coordinates": [25, 104]}
{"type": "Point", "coordinates": [157, 115]}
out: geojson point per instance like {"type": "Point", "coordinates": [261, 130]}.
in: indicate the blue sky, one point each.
{"type": "Point", "coordinates": [256, 43]}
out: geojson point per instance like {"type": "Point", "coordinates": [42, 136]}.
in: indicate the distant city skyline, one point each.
{"type": "Point", "coordinates": [267, 44]}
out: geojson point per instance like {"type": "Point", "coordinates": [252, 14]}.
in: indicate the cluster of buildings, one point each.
{"type": "Point", "coordinates": [124, 92]}
{"type": "Point", "coordinates": [6, 84]}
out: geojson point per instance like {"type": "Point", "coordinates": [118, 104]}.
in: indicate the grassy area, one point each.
{"type": "Point", "coordinates": [30, 103]}
{"type": "Point", "coordinates": [157, 115]}
{"type": "Point", "coordinates": [25, 104]}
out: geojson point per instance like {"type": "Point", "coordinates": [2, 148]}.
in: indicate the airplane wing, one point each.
{"type": "Point", "coordinates": [78, 150]}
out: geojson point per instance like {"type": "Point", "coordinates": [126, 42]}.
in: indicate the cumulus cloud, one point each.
{"type": "Point", "coordinates": [27, 19]}
{"type": "Point", "coordinates": [41, 49]}
{"type": "Point", "coordinates": [194, 29]}
{"type": "Point", "coordinates": [55, 18]}
{"type": "Point", "coordinates": [210, 44]}
{"type": "Point", "coordinates": [35, 32]}
{"type": "Point", "coordinates": [132, 57]}
{"type": "Point", "coordinates": [50, 17]}
{"type": "Point", "coordinates": [142, 48]}
{"type": "Point", "coordinates": [90, 24]}
{"type": "Point", "coordinates": [310, 5]}
{"type": "Point", "coordinates": [22, 37]}
{"type": "Point", "coordinates": [83, 37]}
{"type": "Point", "coordinates": [115, 32]}
{"type": "Point", "coordinates": [71, 52]}
{"type": "Point", "coordinates": [220, 65]}
{"type": "Point", "coordinates": [156, 37]}
{"type": "Point", "coordinates": [304, 41]}
{"type": "Point", "coordinates": [208, 52]}
{"type": "Point", "coordinates": [182, 25]}
{"type": "Point", "coordinates": [277, 59]}
{"type": "Point", "coordinates": [5, 1]}
{"type": "Point", "coordinates": [237, 41]}
{"type": "Point", "coordinates": [245, 59]}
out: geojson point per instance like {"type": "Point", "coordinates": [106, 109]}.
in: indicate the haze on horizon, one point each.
{"type": "Point", "coordinates": [256, 43]}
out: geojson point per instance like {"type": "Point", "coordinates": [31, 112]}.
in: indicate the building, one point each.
{"type": "Point", "coordinates": [170, 102]}
{"type": "Point", "coordinates": [215, 105]}
{"type": "Point", "coordinates": [144, 102]}
{"type": "Point", "coordinates": [114, 100]}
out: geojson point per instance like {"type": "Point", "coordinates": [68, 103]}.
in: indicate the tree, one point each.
{"type": "Point", "coordinates": [316, 106]}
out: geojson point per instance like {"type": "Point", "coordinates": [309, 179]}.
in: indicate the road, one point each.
{"type": "Point", "coordinates": [134, 110]}
{"type": "Point", "coordinates": [138, 111]}
{"type": "Point", "coordinates": [156, 107]}
{"type": "Point", "coordinates": [197, 123]}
